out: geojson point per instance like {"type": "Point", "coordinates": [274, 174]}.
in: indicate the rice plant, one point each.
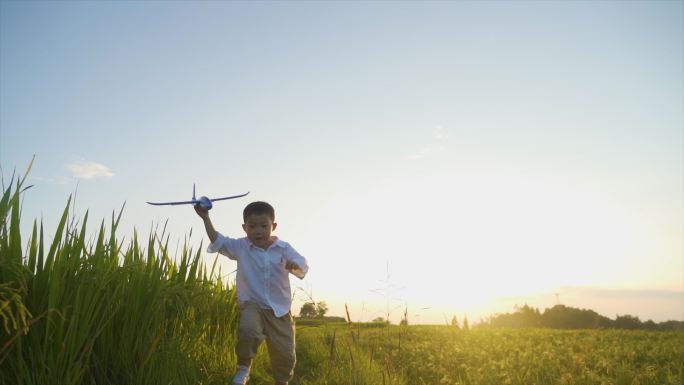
{"type": "Point", "coordinates": [101, 312]}
{"type": "Point", "coordinates": [445, 355]}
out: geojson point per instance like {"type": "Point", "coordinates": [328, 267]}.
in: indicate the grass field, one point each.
{"type": "Point", "coordinates": [103, 312]}
{"type": "Point", "coordinates": [445, 355]}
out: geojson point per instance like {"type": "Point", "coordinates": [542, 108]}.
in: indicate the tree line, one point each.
{"type": "Point", "coordinates": [557, 317]}
{"type": "Point", "coordinates": [565, 317]}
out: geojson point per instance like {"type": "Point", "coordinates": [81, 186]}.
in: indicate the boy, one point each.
{"type": "Point", "coordinates": [263, 286]}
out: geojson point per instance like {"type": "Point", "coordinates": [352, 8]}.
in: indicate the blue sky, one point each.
{"type": "Point", "coordinates": [482, 150]}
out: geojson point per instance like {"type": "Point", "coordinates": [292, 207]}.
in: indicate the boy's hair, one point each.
{"type": "Point", "coordinates": [258, 208]}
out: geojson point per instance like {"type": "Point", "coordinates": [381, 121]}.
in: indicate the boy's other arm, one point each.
{"type": "Point", "coordinates": [296, 261]}
{"type": "Point", "coordinates": [204, 214]}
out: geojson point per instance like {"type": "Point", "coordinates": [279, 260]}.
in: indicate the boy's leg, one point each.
{"type": "Point", "coordinates": [280, 339]}
{"type": "Point", "coordinates": [250, 334]}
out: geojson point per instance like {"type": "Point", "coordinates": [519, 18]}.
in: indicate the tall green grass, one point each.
{"type": "Point", "coordinates": [332, 354]}
{"type": "Point", "coordinates": [101, 312]}
{"type": "Point", "coordinates": [98, 311]}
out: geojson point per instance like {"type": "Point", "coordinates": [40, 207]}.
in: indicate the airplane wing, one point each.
{"type": "Point", "coordinates": [174, 203]}
{"type": "Point", "coordinates": [196, 201]}
{"type": "Point", "coordinates": [231, 197]}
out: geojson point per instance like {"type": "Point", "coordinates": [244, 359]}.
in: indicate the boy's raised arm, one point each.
{"type": "Point", "coordinates": [204, 214]}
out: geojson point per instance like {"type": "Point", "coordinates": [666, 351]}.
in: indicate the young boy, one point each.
{"type": "Point", "coordinates": [263, 286]}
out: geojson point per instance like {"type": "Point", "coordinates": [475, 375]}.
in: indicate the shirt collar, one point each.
{"type": "Point", "coordinates": [276, 243]}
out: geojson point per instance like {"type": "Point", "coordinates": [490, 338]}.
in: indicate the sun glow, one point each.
{"type": "Point", "coordinates": [461, 240]}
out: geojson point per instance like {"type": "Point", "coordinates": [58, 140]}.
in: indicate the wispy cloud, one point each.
{"type": "Point", "coordinates": [89, 170]}
{"type": "Point", "coordinates": [439, 136]}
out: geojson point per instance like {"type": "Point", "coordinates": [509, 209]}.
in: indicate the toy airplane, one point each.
{"type": "Point", "coordinates": [205, 202]}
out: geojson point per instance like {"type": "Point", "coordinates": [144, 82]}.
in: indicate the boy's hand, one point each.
{"type": "Point", "coordinates": [201, 211]}
{"type": "Point", "coordinates": [294, 269]}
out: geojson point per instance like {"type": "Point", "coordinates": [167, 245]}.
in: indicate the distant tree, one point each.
{"type": "Point", "coordinates": [650, 325]}
{"type": "Point", "coordinates": [454, 322]}
{"type": "Point", "coordinates": [321, 309]}
{"type": "Point", "coordinates": [465, 323]}
{"type": "Point", "coordinates": [379, 320]}
{"type": "Point", "coordinates": [524, 317]}
{"type": "Point", "coordinates": [529, 316]}
{"type": "Point", "coordinates": [627, 322]}
{"type": "Point", "coordinates": [563, 317]}
{"type": "Point", "coordinates": [313, 310]}
{"type": "Point", "coordinates": [308, 310]}
{"type": "Point", "coordinates": [671, 325]}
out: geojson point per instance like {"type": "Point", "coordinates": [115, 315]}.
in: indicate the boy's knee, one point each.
{"type": "Point", "coordinates": [248, 340]}
{"type": "Point", "coordinates": [249, 332]}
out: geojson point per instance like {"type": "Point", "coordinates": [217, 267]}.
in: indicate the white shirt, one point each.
{"type": "Point", "coordinates": [261, 274]}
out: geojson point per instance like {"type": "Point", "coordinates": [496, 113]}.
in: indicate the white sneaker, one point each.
{"type": "Point", "coordinates": [241, 375]}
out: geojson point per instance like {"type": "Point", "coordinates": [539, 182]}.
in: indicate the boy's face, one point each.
{"type": "Point", "coordinates": [258, 228]}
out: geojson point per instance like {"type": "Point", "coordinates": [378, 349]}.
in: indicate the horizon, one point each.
{"type": "Point", "coordinates": [456, 158]}
{"type": "Point", "coordinates": [509, 306]}
{"type": "Point", "coordinates": [480, 321]}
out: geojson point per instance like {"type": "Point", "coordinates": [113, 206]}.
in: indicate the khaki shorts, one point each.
{"type": "Point", "coordinates": [257, 324]}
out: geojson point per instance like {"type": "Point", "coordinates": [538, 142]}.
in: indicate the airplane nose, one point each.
{"type": "Point", "coordinates": [205, 203]}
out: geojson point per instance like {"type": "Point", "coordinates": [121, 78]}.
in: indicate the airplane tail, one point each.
{"type": "Point", "coordinates": [193, 191]}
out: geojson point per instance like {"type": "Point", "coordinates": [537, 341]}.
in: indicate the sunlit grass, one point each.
{"type": "Point", "coordinates": [108, 312]}
{"type": "Point", "coordinates": [101, 312]}
{"type": "Point", "coordinates": [446, 355]}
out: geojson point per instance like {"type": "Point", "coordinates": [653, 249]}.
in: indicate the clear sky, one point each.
{"type": "Point", "coordinates": [458, 158]}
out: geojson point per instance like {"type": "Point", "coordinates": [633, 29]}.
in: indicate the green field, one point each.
{"type": "Point", "coordinates": [445, 355]}
{"type": "Point", "coordinates": [107, 312]}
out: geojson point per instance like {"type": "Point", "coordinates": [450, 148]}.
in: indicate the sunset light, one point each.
{"type": "Point", "coordinates": [491, 189]}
